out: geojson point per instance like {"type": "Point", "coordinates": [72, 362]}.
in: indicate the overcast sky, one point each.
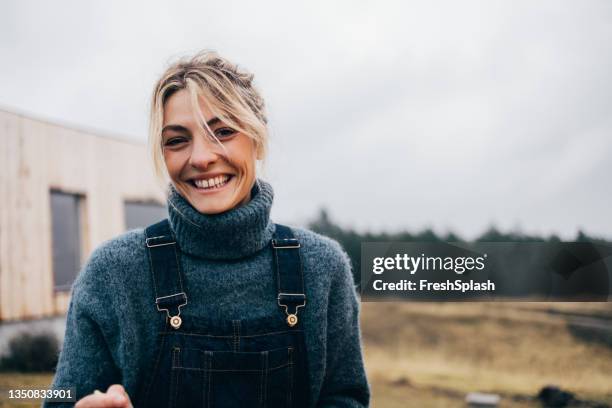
{"type": "Point", "coordinates": [455, 115]}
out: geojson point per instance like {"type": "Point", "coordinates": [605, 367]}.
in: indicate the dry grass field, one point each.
{"type": "Point", "coordinates": [433, 354]}
{"type": "Point", "coordinates": [17, 380]}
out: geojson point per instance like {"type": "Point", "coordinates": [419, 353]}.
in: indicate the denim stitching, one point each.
{"type": "Point", "coordinates": [222, 370]}
{"type": "Point", "coordinates": [175, 375]}
{"type": "Point", "coordinates": [276, 266]}
{"type": "Point", "coordinates": [236, 339]}
{"type": "Point", "coordinates": [230, 336]}
{"type": "Point", "coordinates": [152, 271]}
{"type": "Point", "coordinates": [203, 374]}
{"type": "Point", "coordinates": [264, 379]}
{"type": "Point", "coordinates": [210, 357]}
{"type": "Point", "coordinates": [155, 370]}
{"type": "Point", "coordinates": [178, 271]}
{"type": "Point", "coordinates": [290, 377]}
{"type": "Point", "coordinates": [261, 380]}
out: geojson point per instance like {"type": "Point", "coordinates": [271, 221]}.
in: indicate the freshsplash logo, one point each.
{"type": "Point", "coordinates": [414, 264]}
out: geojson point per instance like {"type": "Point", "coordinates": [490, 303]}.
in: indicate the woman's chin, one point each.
{"type": "Point", "coordinates": [211, 207]}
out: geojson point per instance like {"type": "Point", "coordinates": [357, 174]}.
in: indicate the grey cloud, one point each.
{"type": "Point", "coordinates": [394, 115]}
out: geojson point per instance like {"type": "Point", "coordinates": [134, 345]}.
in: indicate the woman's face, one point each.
{"type": "Point", "coordinates": [211, 178]}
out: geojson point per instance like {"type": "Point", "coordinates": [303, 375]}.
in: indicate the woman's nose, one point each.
{"type": "Point", "coordinates": [203, 153]}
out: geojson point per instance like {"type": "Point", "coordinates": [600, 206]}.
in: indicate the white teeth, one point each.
{"type": "Point", "coordinates": [201, 183]}
{"type": "Point", "coordinates": [213, 182]}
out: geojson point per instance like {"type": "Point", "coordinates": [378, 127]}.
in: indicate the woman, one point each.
{"type": "Point", "coordinates": [216, 306]}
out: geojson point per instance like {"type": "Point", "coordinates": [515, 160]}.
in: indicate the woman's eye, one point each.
{"type": "Point", "coordinates": [175, 141]}
{"type": "Point", "coordinates": [224, 133]}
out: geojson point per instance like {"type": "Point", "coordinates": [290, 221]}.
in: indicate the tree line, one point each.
{"type": "Point", "coordinates": [351, 240]}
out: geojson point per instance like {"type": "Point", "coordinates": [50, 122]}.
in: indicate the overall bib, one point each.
{"type": "Point", "coordinates": [233, 363]}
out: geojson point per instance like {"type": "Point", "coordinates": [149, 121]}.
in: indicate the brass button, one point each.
{"type": "Point", "coordinates": [175, 322]}
{"type": "Point", "coordinates": [292, 320]}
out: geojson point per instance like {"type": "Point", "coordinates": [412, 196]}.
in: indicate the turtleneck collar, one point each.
{"type": "Point", "coordinates": [234, 234]}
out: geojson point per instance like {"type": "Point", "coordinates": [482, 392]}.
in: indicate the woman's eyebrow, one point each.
{"type": "Point", "coordinates": [213, 121]}
{"type": "Point", "coordinates": [179, 128]}
{"type": "Point", "coordinates": [176, 128]}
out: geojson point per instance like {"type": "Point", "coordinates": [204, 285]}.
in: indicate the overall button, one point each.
{"type": "Point", "coordinates": [292, 320]}
{"type": "Point", "coordinates": [175, 322]}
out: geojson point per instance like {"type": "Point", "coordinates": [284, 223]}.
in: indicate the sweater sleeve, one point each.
{"type": "Point", "coordinates": [345, 383]}
{"type": "Point", "coordinates": [85, 361]}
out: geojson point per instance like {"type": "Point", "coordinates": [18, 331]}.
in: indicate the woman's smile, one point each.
{"type": "Point", "coordinates": [210, 184]}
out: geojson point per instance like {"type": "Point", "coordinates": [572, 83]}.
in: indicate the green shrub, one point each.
{"type": "Point", "coordinates": [31, 352]}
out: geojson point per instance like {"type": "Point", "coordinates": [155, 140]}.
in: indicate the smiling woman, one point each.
{"type": "Point", "coordinates": [216, 305]}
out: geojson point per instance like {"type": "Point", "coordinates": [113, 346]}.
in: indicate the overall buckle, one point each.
{"type": "Point", "coordinates": [291, 299]}
{"type": "Point", "coordinates": [161, 240]}
{"type": "Point", "coordinates": [165, 303]}
{"type": "Point", "coordinates": [285, 243]}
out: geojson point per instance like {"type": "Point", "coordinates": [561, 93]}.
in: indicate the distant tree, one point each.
{"type": "Point", "coordinates": [427, 236]}
{"type": "Point", "coordinates": [451, 237]}
{"type": "Point", "coordinates": [348, 239]}
{"type": "Point", "coordinates": [583, 237]}
{"type": "Point", "coordinates": [351, 240]}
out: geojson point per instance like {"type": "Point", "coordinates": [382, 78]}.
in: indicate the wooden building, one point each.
{"type": "Point", "coordinates": [63, 191]}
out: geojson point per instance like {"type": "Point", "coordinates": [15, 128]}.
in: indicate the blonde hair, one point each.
{"type": "Point", "coordinates": [227, 90]}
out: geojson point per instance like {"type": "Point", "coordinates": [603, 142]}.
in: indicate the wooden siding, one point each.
{"type": "Point", "coordinates": [35, 157]}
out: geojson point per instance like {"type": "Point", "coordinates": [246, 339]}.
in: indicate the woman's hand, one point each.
{"type": "Point", "coordinates": [114, 397]}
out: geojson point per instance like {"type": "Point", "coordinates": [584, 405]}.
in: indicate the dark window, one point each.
{"type": "Point", "coordinates": [140, 215]}
{"type": "Point", "coordinates": [66, 238]}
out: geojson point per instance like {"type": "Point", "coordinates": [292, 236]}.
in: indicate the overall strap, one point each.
{"type": "Point", "coordinates": [167, 282]}
{"type": "Point", "coordinates": [289, 275]}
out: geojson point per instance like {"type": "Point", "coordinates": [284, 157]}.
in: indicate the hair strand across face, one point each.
{"type": "Point", "coordinates": [228, 92]}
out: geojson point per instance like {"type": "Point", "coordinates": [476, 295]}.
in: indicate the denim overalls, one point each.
{"type": "Point", "coordinates": [234, 363]}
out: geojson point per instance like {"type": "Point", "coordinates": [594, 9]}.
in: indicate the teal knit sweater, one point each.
{"type": "Point", "coordinates": [227, 264]}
